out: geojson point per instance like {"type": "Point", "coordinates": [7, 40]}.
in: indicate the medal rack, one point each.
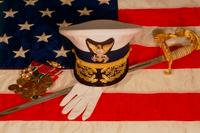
{"type": "Point", "coordinates": [35, 80]}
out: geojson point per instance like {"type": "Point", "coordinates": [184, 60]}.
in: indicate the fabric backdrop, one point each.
{"type": "Point", "coordinates": [146, 101]}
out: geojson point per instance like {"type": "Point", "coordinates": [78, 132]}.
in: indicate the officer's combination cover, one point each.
{"type": "Point", "coordinates": [101, 50]}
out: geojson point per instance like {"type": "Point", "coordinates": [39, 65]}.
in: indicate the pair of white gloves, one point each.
{"type": "Point", "coordinates": [81, 99]}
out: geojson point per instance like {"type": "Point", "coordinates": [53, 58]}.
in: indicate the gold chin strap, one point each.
{"type": "Point", "coordinates": [161, 37]}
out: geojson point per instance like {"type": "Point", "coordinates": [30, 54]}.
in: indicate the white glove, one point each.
{"type": "Point", "coordinates": [81, 99]}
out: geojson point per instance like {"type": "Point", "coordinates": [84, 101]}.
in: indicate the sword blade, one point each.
{"type": "Point", "coordinates": [36, 101]}
{"type": "Point", "coordinates": [146, 63]}
{"type": "Point", "coordinates": [67, 90]}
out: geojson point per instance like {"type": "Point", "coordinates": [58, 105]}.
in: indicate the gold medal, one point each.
{"type": "Point", "coordinates": [13, 87]}
{"type": "Point", "coordinates": [32, 83]}
{"type": "Point", "coordinates": [27, 94]}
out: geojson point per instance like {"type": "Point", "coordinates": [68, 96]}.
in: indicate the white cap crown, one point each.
{"type": "Point", "coordinates": [100, 31]}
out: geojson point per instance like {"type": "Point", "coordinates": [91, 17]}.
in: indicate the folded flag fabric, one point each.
{"type": "Point", "coordinates": [146, 101]}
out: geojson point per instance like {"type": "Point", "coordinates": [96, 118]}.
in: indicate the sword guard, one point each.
{"type": "Point", "coordinates": [161, 37]}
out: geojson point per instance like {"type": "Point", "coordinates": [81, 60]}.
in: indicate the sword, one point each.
{"type": "Point", "coordinates": [176, 54]}
{"type": "Point", "coordinates": [68, 89]}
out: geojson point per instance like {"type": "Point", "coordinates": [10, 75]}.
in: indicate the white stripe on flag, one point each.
{"type": "Point", "coordinates": [99, 127]}
{"type": "Point", "coordinates": [146, 4]}
{"type": "Point", "coordinates": [155, 81]}
{"type": "Point", "coordinates": [141, 81]}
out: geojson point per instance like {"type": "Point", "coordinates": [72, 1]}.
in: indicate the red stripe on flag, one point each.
{"type": "Point", "coordinates": [125, 107]}
{"type": "Point", "coordinates": [161, 17]}
{"type": "Point", "coordinates": [140, 53]}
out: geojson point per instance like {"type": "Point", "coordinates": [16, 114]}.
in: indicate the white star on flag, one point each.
{"type": "Point", "coordinates": [43, 37]}
{"type": "Point", "coordinates": [30, 2]}
{"type": "Point", "coordinates": [66, 2]}
{"type": "Point", "coordinates": [46, 12]}
{"type": "Point", "coordinates": [104, 2]}
{"type": "Point", "coordinates": [25, 26]}
{"type": "Point", "coordinates": [64, 24]}
{"type": "Point", "coordinates": [61, 52]}
{"type": "Point", "coordinates": [85, 12]}
{"type": "Point", "coordinates": [10, 13]}
{"type": "Point", "coordinates": [20, 53]}
{"type": "Point", "coordinates": [4, 38]}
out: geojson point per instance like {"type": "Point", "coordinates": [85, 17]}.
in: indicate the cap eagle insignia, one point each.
{"type": "Point", "coordinates": [100, 49]}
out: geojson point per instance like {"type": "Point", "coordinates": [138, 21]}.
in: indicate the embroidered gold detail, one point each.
{"type": "Point", "coordinates": [161, 37]}
{"type": "Point", "coordinates": [86, 73]}
{"type": "Point", "coordinates": [108, 71]}
{"type": "Point", "coordinates": [111, 73]}
{"type": "Point", "coordinates": [54, 64]}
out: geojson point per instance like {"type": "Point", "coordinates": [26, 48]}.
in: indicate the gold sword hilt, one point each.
{"type": "Point", "coordinates": [161, 37]}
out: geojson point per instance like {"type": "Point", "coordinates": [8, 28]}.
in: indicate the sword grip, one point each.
{"type": "Point", "coordinates": [182, 52]}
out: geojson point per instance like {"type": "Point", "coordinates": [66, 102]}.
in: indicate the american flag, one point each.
{"type": "Point", "coordinates": [29, 28]}
{"type": "Point", "coordinates": [146, 101]}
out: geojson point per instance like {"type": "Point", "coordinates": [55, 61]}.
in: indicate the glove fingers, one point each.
{"type": "Point", "coordinates": [67, 98]}
{"type": "Point", "coordinates": [89, 110]}
{"type": "Point", "coordinates": [92, 104]}
{"type": "Point", "coordinates": [78, 109]}
{"type": "Point", "coordinates": [78, 89]}
{"type": "Point", "coordinates": [71, 105]}
{"type": "Point", "coordinates": [75, 90]}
